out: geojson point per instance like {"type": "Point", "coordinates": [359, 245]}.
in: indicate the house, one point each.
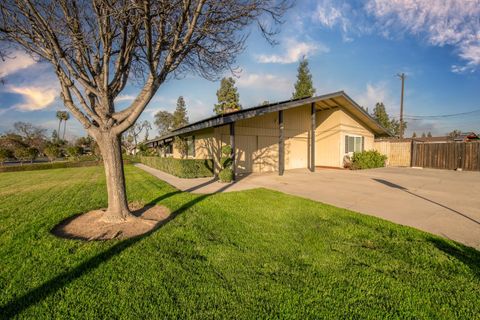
{"type": "Point", "coordinates": [466, 137]}
{"type": "Point", "coordinates": [299, 133]}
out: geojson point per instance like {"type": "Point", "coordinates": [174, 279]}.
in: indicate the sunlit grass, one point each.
{"type": "Point", "coordinates": [251, 254]}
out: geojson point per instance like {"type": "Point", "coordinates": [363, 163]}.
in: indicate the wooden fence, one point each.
{"type": "Point", "coordinates": [451, 155]}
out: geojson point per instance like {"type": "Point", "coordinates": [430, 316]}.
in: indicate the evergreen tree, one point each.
{"type": "Point", "coordinates": [380, 114]}
{"type": "Point", "coordinates": [424, 135]}
{"type": "Point", "coordinates": [304, 85]}
{"type": "Point", "coordinates": [180, 117]}
{"type": "Point", "coordinates": [54, 135]}
{"type": "Point", "coordinates": [429, 134]}
{"type": "Point", "coordinates": [228, 97]}
{"type": "Point", "coordinates": [164, 121]}
{"type": "Point", "coordinates": [414, 135]}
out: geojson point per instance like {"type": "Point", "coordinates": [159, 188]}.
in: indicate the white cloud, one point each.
{"type": "Point", "coordinates": [294, 51]}
{"type": "Point", "coordinates": [17, 62]}
{"type": "Point", "coordinates": [125, 97]}
{"type": "Point", "coordinates": [331, 14]}
{"type": "Point", "coordinates": [35, 98]}
{"type": "Point", "coordinates": [377, 93]}
{"type": "Point", "coordinates": [439, 23]}
{"type": "Point", "coordinates": [263, 81]}
{"type": "Point", "coordinates": [453, 22]}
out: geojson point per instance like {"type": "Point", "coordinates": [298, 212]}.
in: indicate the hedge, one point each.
{"type": "Point", "coordinates": [182, 168]}
{"type": "Point", "coordinates": [48, 165]}
{"type": "Point", "coordinates": [54, 165]}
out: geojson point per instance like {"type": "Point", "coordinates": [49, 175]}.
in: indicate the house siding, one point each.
{"type": "Point", "coordinates": [256, 140]}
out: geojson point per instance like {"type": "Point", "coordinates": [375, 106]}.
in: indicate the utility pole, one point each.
{"type": "Point", "coordinates": [402, 77]}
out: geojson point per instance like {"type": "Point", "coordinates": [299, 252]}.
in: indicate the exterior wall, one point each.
{"type": "Point", "coordinates": [332, 127]}
{"type": "Point", "coordinates": [256, 140]}
{"type": "Point", "coordinates": [328, 138]}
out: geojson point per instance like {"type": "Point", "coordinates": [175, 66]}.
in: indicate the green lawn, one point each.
{"type": "Point", "coordinates": [251, 254]}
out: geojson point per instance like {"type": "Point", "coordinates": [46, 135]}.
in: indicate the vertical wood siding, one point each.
{"type": "Point", "coordinates": [398, 152]}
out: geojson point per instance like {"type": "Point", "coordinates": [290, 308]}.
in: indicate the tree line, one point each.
{"type": "Point", "coordinates": [27, 142]}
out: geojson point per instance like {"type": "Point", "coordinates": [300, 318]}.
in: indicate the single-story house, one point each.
{"type": "Point", "coordinates": [298, 133]}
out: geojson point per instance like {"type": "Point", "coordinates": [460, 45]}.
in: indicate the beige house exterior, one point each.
{"type": "Point", "coordinates": [302, 133]}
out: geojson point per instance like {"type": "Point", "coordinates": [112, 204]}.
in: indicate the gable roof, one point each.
{"type": "Point", "coordinates": [323, 102]}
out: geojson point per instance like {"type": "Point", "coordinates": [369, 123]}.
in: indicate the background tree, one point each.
{"type": "Point", "coordinates": [429, 134]}
{"type": "Point", "coordinates": [147, 128]}
{"type": "Point", "coordinates": [414, 135]}
{"type": "Point", "coordinates": [74, 152]}
{"type": "Point", "coordinates": [228, 97]}
{"type": "Point", "coordinates": [304, 85]}
{"type": "Point", "coordinates": [66, 117]}
{"type": "Point", "coordinates": [453, 134]}
{"type": "Point", "coordinates": [5, 154]}
{"type": "Point", "coordinates": [380, 114]}
{"type": "Point", "coordinates": [59, 116]}
{"type": "Point", "coordinates": [424, 135]}
{"type": "Point", "coordinates": [25, 153]}
{"type": "Point", "coordinates": [32, 136]}
{"type": "Point", "coordinates": [89, 146]}
{"type": "Point", "coordinates": [164, 122]}
{"type": "Point", "coordinates": [134, 132]}
{"type": "Point", "coordinates": [52, 151]}
{"type": "Point", "coordinates": [95, 46]}
{"type": "Point", "coordinates": [180, 117]}
{"type": "Point", "coordinates": [54, 135]}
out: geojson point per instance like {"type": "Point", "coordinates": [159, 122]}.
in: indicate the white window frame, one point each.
{"type": "Point", "coordinates": [355, 136]}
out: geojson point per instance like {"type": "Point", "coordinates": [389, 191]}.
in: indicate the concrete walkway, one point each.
{"type": "Point", "coordinates": [446, 203]}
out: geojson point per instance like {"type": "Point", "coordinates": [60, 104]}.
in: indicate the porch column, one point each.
{"type": "Point", "coordinates": [281, 144]}
{"type": "Point", "coordinates": [313, 125]}
{"type": "Point", "coordinates": [232, 145]}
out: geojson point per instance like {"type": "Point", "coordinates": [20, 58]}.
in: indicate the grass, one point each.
{"type": "Point", "coordinates": [250, 254]}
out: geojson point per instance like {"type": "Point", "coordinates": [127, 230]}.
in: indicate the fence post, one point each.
{"type": "Point", "coordinates": [412, 153]}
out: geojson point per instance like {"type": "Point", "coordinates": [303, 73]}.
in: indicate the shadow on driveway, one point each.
{"type": "Point", "coordinates": [396, 186]}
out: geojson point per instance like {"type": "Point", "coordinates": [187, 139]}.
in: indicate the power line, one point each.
{"type": "Point", "coordinates": [426, 117]}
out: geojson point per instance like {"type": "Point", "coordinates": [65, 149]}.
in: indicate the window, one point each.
{"type": "Point", "coordinates": [190, 146]}
{"type": "Point", "coordinates": [169, 148]}
{"type": "Point", "coordinates": [353, 144]}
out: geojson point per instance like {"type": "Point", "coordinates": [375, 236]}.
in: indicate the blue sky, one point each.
{"type": "Point", "coordinates": [356, 46]}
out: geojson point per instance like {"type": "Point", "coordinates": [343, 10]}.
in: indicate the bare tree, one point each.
{"type": "Point", "coordinates": [134, 132]}
{"type": "Point", "coordinates": [96, 46]}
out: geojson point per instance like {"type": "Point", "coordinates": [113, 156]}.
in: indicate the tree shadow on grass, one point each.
{"type": "Point", "coordinates": [40, 293]}
{"type": "Point", "coordinates": [468, 256]}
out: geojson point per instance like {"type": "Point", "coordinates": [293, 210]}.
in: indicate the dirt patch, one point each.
{"type": "Point", "coordinates": [90, 226]}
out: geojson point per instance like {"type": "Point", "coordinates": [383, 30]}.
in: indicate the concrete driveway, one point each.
{"type": "Point", "coordinates": [446, 203]}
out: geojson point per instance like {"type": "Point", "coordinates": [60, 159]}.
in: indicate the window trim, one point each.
{"type": "Point", "coordinates": [346, 143]}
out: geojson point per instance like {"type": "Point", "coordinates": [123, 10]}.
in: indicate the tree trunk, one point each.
{"type": "Point", "coordinates": [64, 129]}
{"type": "Point", "coordinates": [58, 132]}
{"type": "Point", "coordinates": [110, 147]}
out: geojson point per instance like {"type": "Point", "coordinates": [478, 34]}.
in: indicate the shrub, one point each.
{"type": "Point", "coordinates": [226, 175]}
{"type": "Point", "coordinates": [74, 152]}
{"type": "Point", "coordinates": [5, 154]}
{"type": "Point", "coordinates": [25, 153]}
{"type": "Point", "coordinates": [183, 168]}
{"type": "Point", "coordinates": [52, 152]}
{"type": "Point", "coordinates": [368, 159]}
{"type": "Point", "coordinates": [226, 150]}
{"type": "Point", "coordinates": [226, 162]}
